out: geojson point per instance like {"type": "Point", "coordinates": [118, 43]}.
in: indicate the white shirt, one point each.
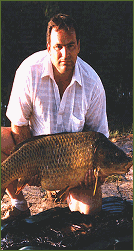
{"type": "Point", "coordinates": [35, 98]}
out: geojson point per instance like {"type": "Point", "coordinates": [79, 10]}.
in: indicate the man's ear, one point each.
{"type": "Point", "coordinates": [79, 46]}
{"type": "Point", "coordinates": [48, 47]}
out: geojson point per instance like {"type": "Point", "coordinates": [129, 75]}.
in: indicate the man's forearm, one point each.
{"type": "Point", "coordinates": [20, 133]}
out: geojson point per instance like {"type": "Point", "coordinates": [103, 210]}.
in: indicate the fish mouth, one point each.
{"type": "Point", "coordinates": [128, 166]}
{"type": "Point", "coordinates": [125, 169]}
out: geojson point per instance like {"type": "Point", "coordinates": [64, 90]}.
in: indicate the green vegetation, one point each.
{"type": "Point", "coordinates": [119, 129]}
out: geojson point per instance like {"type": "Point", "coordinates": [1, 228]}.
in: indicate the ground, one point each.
{"type": "Point", "coordinates": [38, 202]}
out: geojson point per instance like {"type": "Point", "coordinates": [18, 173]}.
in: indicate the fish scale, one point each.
{"type": "Point", "coordinates": [62, 160]}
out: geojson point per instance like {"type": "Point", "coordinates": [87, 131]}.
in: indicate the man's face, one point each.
{"type": "Point", "coordinates": [63, 50]}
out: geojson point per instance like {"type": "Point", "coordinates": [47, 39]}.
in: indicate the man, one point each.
{"type": "Point", "coordinates": [56, 91]}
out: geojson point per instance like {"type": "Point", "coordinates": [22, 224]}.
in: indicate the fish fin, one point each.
{"type": "Point", "coordinates": [21, 184]}
{"type": "Point", "coordinates": [19, 189]}
{"type": "Point", "coordinates": [62, 194]}
{"type": "Point", "coordinates": [96, 172]}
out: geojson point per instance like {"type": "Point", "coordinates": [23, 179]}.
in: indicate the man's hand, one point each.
{"type": "Point", "coordinates": [20, 133]}
{"type": "Point", "coordinates": [90, 179]}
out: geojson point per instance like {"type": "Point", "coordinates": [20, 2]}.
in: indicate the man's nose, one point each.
{"type": "Point", "coordinates": [64, 51]}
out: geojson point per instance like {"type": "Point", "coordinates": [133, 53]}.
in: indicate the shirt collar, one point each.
{"type": "Point", "coordinates": [48, 71]}
{"type": "Point", "coordinates": [76, 75]}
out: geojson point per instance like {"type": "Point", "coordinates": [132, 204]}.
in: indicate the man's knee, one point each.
{"type": "Point", "coordinates": [7, 143]}
{"type": "Point", "coordinates": [84, 201]}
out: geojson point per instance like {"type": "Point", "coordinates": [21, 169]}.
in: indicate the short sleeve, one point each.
{"type": "Point", "coordinates": [96, 117]}
{"type": "Point", "coordinates": [20, 103]}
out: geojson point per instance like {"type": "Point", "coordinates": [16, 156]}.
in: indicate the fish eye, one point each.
{"type": "Point", "coordinates": [116, 154]}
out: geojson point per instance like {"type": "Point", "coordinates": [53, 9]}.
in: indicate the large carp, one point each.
{"type": "Point", "coordinates": [62, 160]}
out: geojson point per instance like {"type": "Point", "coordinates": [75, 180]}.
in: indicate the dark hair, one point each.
{"type": "Point", "coordinates": [61, 21]}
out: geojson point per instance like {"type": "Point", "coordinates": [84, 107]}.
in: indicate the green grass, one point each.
{"type": "Point", "coordinates": [120, 130]}
{"type": "Point", "coordinates": [113, 178]}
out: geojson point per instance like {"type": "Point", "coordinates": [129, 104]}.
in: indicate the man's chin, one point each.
{"type": "Point", "coordinates": [65, 68]}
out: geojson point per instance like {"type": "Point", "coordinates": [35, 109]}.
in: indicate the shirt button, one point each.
{"type": "Point", "coordinates": [59, 119]}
